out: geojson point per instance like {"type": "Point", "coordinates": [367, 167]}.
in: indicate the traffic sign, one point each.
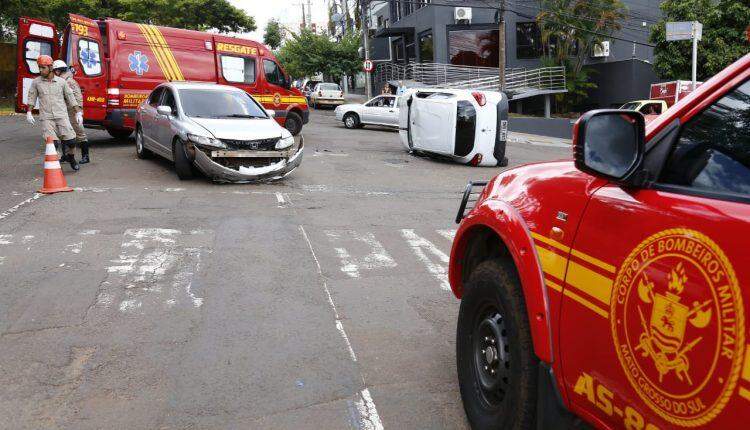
{"type": "Point", "coordinates": [368, 66]}
{"type": "Point", "coordinates": [684, 30]}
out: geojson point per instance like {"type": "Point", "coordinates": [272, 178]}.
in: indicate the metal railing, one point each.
{"type": "Point", "coordinates": [517, 80]}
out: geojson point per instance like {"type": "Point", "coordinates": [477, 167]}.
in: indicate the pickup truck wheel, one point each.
{"type": "Point", "coordinates": [497, 368]}
{"type": "Point", "coordinates": [182, 164]}
{"type": "Point", "coordinates": [293, 123]}
{"type": "Point", "coordinates": [141, 150]}
{"type": "Point", "coordinates": [351, 121]}
{"type": "Point", "coordinates": [119, 133]}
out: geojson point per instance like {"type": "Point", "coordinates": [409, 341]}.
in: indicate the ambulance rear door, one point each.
{"type": "Point", "coordinates": [84, 51]}
{"type": "Point", "coordinates": [35, 38]}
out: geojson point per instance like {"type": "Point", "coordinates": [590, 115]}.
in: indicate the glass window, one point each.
{"type": "Point", "coordinates": [466, 124]}
{"type": "Point", "coordinates": [32, 50]}
{"type": "Point", "coordinates": [389, 102]}
{"type": "Point", "coordinates": [273, 73]}
{"type": "Point", "coordinates": [473, 47]}
{"type": "Point", "coordinates": [713, 151]}
{"type": "Point", "coordinates": [426, 50]}
{"type": "Point", "coordinates": [153, 99]}
{"type": "Point", "coordinates": [528, 40]}
{"type": "Point", "coordinates": [651, 109]}
{"type": "Point", "coordinates": [376, 102]}
{"type": "Point", "coordinates": [89, 58]}
{"type": "Point", "coordinates": [630, 106]}
{"type": "Point", "coordinates": [238, 69]}
{"type": "Point", "coordinates": [329, 87]}
{"type": "Point", "coordinates": [220, 104]}
{"type": "Point", "coordinates": [168, 100]}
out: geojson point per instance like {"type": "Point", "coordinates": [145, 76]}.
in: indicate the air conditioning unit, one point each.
{"type": "Point", "coordinates": [462, 13]}
{"type": "Point", "coordinates": [601, 49]}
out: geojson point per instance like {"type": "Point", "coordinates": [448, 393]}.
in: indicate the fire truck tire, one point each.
{"type": "Point", "coordinates": [293, 123]}
{"type": "Point", "coordinates": [351, 120]}
{"type": "Point", "coordinates": [182, 164]}
{"type": "Point", "coordinates": [141, 150]}
{"type": "Point", "coordinates": [119, 133]}
{"type": "Point", "coordinates": [497, 368]}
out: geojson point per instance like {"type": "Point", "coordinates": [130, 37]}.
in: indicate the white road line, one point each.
{"type": "Point", "coordinates": [10, 211]}
{"type": "Point", "coordinates": [376, 258]}
{"type": "Point", "coordinates": [449, 233]}
{"type": "Point", "coordinates": [6, 239]}
{"type": "Point", "coordinates": [280, 199]}
{"type": "Point", "coordinates": [368, 413]}
{"type": "Point", "coordinates": [75, 248]}
{"type": "Point", "coordinates": [419, 245]}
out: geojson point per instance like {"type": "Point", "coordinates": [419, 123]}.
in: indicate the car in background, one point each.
{"type": "Point", "coordinates": [218, 130]}
{"type": "Point", "coordinates": [649, 108]}
{"type": "Point", "coordinates": [469, 127]}
{"type": "Point", "coordinates": [381, 110]}
{"type": "Point", "coordinates": [326, 94]}
{"type": "Point", "coordinates": [307, 87]}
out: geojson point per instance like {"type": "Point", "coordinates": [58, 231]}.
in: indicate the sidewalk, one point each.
{"type": "Point", "coordinates": [534, 139]}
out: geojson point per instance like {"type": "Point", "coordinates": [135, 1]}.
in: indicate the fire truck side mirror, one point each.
{"type": "Point", "coordinates": [610, 144]}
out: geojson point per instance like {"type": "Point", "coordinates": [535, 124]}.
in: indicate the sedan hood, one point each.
{"type": "Point", "coordinates": [240, 128]}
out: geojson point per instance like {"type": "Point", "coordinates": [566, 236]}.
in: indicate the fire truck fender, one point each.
{"type": "Point", "coordinates": [495, 229]}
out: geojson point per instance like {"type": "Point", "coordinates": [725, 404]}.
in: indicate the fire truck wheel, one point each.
{"type": "Point", "coordinates": [141, 150]}
{"type": "Point", "coordinates": [182, 164]}
{"type": "Point", "coordinates": [293, 123]}
{"type": "Point", "coordinates": [119, 133]}
{"type": "Point", "coordinates": [497, 368]}
{"type": "Point", "coordinates": [351, 120]}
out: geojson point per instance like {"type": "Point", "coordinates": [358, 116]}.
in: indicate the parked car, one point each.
{"type": "Point", "coordinates": [469, 127]}
{"type": "Point", "coordinates": [218, 130]}
{"type": "Point", "coordinates": [381, 110]}
{"type": "Point", "coordinates": [649, 108]}
{"type": "Point", "coordinates": [307, 87]}
{"type": "Point", "coordinates": [326, 94]}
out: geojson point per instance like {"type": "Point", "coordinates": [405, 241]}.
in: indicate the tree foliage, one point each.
{"type": "Point", "coordinates": [724, 40]}
{"type": "Point", "coordinates": [272, 36]}
{"type": "Point", "coordinates": [569, 31]}
{"type": "Point", "coordinates": [192, 14]}
{"type": "Point", "coordinates": [309, 54]}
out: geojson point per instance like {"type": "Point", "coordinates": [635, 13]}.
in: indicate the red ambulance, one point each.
{"type": "Point", "coordinates": [672, 92]}
{"type": "Point", "coordinates": [118, 63]}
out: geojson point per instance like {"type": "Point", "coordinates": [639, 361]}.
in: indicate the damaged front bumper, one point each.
{"type": "Point", "coordinates": [275, 164]}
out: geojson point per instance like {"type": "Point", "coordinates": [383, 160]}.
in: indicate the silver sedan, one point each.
{"type": "Point", "coordinates": [381, 110]}
{"type": "Point", "coordinates": [217, 130]}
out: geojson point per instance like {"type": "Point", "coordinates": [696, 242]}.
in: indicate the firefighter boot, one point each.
{"type": "Point", "coordinates": [84, 152]}
{"type": "Point", "coordinates": [69, 156]}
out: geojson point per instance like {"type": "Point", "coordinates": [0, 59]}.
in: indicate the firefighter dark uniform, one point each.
{"type": "Point", "coordinates": [51, 95]}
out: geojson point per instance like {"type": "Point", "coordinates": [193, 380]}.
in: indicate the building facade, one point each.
{"type": "Point", "coordinates": [406, 31]}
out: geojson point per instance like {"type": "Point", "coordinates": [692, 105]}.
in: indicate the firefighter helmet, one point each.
{"type": "Point", "coordinates": [44, 60]}
{"type": "Point", "coordinates": [59, 64]}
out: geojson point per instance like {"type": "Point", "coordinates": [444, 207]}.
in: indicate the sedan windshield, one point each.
{"type": "Point", "coordinates": [629, 106]}
{"type": "Point", "coordinates": [329, 87]}
{"type": "Point", "coordinates": [219, 104]}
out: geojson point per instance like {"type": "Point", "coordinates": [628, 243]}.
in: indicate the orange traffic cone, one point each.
{"type": "Point", "coordinates": [54, 181]}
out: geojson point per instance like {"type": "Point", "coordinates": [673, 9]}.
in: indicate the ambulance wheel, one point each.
{"type": "Point", "coordinates": [293, 123]}
{"type": "Point", "coordinates": [141, 150]}
{"type": "Point", "coordinates": [119, 133]}
{"type": "Point", "coordinates": [351, 121]}
{"type": "Point", "coordinates": [497, 368]}
{"type": "Point", "coordinates": [182, 164]}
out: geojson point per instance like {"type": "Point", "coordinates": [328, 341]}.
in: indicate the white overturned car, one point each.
{"type": "Point", "coordinates": [469, 127]}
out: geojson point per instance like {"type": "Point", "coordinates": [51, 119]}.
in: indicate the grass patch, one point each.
{"type": "Point", "coordinates": [7, 106]}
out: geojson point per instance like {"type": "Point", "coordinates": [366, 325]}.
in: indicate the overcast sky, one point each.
{"type": "Point", "coordinates": [287, 12]}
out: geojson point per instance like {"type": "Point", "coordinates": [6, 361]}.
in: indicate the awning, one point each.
{"type": "Point", "coordinates": [394, 31]}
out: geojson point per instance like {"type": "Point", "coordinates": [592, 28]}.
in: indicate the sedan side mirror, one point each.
{"type": "Point", "coordinates": [164, 110]}
{"type": "Point", "coordinates": [610, 144]}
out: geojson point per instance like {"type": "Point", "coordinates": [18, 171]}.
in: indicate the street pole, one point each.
{"type": "Point", "coordinates": [501, 45]}
{"type": "Point", "coordinates": [365, 28]}
{"type": "Point", "coordinates": [695, 59]}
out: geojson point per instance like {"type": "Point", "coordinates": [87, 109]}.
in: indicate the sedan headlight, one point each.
{"type": "Point", "coordinates": [206, 141]}
{"type": "Point", "coordinates": [285, 142]}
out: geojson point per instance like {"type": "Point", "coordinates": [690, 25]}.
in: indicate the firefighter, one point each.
{"type": "Point", "coordinates": [52, 96]}
{"type": "Point", "coordinates": [62, 70]}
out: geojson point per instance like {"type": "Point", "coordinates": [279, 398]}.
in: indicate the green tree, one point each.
{"type": "Point", "coordinates": [724, 41]}
{"type": "Point", "coordinates": [272, 36]}
{"type": "Point", "coordinates": [309, 54]}
{"type": "Point", "coordinates": [191, 14]}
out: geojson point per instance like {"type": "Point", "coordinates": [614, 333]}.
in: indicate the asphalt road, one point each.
{"type": "Point", "coordinates": [143, 302]}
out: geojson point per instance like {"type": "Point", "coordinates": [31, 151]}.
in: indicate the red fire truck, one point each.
{"type": "Point", "coordinates": [118, 63]}
{"type": "Point", "coordinates": [672, 92]}
{"type": "Point", "coordinates": [611, 288]}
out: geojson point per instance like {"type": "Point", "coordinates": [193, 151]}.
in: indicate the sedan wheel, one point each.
{"type": "Point", "coordinates": [351, 121]}
{"type": "Point", "coordinates": [140, 150]}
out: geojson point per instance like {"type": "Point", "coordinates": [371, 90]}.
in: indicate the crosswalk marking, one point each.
{"type": "Point", "coordinates": [376, 256]}
{"type": "Point", "coordinates": [421, 248]}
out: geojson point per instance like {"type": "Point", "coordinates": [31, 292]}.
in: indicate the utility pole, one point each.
{"type": "Point", "coordinates": [501, 45]}
{"type": "Point", "coordinates": [365, 29]}
{"type": "Point", "coordinates": [309, 13]}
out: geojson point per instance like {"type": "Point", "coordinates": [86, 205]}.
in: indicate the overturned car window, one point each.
{"type": "Point", "coordinates": [219, 104]}
{"type": "Point", "coordinates": [466, 124]}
